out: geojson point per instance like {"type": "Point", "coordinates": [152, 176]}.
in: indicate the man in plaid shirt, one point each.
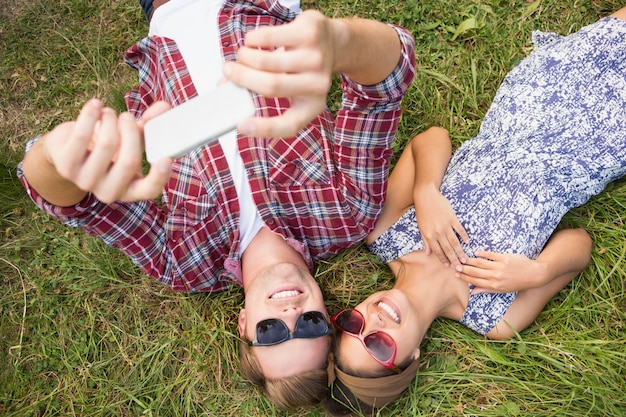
{"type": "Point", "coordinates": [292, 185]}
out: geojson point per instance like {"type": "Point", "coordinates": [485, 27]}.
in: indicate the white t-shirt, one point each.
{"type": "Point", "coordinates": [192, 24]}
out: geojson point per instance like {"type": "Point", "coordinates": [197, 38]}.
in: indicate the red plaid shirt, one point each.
{"type": "Point", "coordinates": [322, 190]}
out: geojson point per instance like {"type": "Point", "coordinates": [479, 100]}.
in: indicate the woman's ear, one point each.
{"type": "Point", "coordinates": [241, 323]}
{"type": "Point", "coordinates": [416, 354]}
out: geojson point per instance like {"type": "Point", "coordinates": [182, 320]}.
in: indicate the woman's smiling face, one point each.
{"type": "Point", "coordinates": [389, 312]}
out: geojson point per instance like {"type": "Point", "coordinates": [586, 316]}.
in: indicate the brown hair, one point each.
{"type": "Point", "coordinates": [305, 389]}
{"type": "Point", "coordinates": [342, 402]}
{"type": "Point", "coordinates": [352, 393]}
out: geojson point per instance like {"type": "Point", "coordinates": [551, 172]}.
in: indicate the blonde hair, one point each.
{"type": "Point", "coordinates": [305, 389]}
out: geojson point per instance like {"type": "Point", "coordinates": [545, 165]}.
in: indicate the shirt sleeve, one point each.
{"type": "Point", "coordinates": [366, 126]}
{"type": "Point", "coordinates": [392, 89]}
{"type": "Point", "coordinates": [134, 228]}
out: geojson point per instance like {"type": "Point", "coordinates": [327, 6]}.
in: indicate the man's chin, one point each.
{"type": "Point", "coordinates": [284, 272]}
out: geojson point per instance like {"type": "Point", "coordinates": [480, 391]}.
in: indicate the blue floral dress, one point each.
{"type": "Point", "coordinates": [555, 135]}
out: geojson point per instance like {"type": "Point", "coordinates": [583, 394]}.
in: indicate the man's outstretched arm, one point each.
{"type": "Point", "coordinates": [297, 60]}
{"type": "Point", "coordinates": [101, 153]}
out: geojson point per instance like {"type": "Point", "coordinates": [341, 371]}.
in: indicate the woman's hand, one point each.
{"type": "Point", "coordinates": [501, 272]}
{"type": "Point", "coordinates": [566, 253]}
{"type": "Point", "coordinates": [99, 153]}
{"type": "Point", "coordinates": [439, 226]}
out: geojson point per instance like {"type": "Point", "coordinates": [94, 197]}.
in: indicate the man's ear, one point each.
{"type": "Point", "coordinates": [241, 323]}
{"type": "Point", "coordinates": [416, 354]}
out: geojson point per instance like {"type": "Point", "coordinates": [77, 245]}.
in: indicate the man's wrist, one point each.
{"type": "Point", "coordinates": [341, 34]}
{"type": "Point", "coordinates": [43, 149]}
{"type": "Point", "coordinates": [366, 51]}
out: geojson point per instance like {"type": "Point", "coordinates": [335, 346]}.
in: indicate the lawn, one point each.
{"type": "Point", "coordinates": [84, 333]}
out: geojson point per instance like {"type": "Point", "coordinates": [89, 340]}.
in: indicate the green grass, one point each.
{"type": "Point", "coordinates": [83, 333]}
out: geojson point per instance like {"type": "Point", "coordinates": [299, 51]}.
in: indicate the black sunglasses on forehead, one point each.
{"type": "Point", "coordinates": [310, 325]}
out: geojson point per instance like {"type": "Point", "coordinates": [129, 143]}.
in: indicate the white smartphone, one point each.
{"type": "Point", "coordinates": [196, 122]}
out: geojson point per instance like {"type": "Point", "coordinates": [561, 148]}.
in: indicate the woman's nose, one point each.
{"type": "Point", "coordinates": [373, 320]}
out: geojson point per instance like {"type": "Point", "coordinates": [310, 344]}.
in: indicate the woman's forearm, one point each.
{"type": "Point", "coordinates": [431, 152]}
{"type": "Point", "coordinates": [567, 252]}
{"type": "Point", "coordinates": [420, 168]}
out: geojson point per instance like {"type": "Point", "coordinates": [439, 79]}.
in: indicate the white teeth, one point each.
{"type": "Point", "coordinates": [285, 294]}
{"type": "Point", "coordinates": [387, 309]}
